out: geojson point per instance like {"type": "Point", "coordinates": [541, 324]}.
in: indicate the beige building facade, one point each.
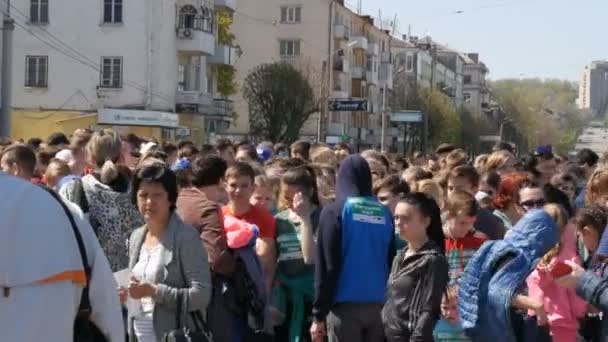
{"type": "Point", "coordinates": [343, 55]}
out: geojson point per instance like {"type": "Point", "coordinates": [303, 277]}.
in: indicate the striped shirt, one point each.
{"type": "Point", "coordinates": [460, 251]}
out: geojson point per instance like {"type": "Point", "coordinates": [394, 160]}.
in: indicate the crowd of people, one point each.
{"type": "Point", "coordinates": [307, 242]}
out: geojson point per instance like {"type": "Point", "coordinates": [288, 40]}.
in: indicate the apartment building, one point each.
{"type": "Point", "coordinates": [593, 88]}
{"type": "Point", "coordinates": [423, 62]}
{"type": "Point", "coordinates": [476, 93]}
{"type": "Point", "coordinates": [334, 47]}
{"type": "Point", "coordinates": [143, 66]}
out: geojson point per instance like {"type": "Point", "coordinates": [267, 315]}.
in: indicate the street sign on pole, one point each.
{"type": "Point", "coordinates": [407, 116]}
{"type": "Point", "coordinates": [348, 105]}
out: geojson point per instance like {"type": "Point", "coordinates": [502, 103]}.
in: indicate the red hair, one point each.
{"type": "Point", "coordinates": [509, 188]}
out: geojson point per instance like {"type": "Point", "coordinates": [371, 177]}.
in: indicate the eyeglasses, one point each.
{"type": "Point", "coordinates": [532, 204]}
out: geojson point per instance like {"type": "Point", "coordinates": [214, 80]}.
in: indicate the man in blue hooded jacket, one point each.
{"type": "Point", "coordinates": [355, 249]}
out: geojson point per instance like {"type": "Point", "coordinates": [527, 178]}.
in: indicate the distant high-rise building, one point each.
{"type": "Point", "coordinates": [593, 88]}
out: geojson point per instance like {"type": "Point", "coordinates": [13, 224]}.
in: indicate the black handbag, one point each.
{"type": "Point", "coordinates": [183, 333]}
{"type": "Point", "coordinates": [84, 329]}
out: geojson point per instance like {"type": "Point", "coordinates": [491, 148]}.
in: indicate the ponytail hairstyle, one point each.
{"type": "Point", "coordinates": [560, 216]}
{"type": "Point", "coordinates": [104, 150]}
{"type": "Point", "coordinates": [428, 208]}
{"type": "Point", "coordinates": [303, 177]}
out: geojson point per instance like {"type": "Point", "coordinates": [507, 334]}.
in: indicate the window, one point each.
{"type": "Point", "coordinates": [187, 17]}
{"type": "Point", "coordinates": [291, 15]}
{"type": "Point", "coordinates": [39, 11]}
{"type": "Point", "coordinates": [36, 71]}
{"type": "Point", "coordinates": [181, 77]}
{"type": "Point", "coordinates": [111, 72]}
{"type": "Point", "coordinates": [409, 62]}
{"type": "Point", "coordinates": [467, 79]}
{"type": "Point", "coordinates": [467, 97]}
{"type": "Point", "coordinates": [190, 18]}
{"type": "Point", "coordinates": [289, 48]}
{"type": "Point", "coordinates": [112, 11]}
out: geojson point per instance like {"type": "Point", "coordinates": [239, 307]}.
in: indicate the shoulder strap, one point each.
{"type": "Point", "coordinates": [85, 302]}
{"type": "Point", "coordinates": [197, 316]}
{"type": "Point", "coordinates": [80, 196]}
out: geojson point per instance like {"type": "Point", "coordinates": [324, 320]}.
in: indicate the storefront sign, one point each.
{"type": "Point", "coordinates": [137, 118]}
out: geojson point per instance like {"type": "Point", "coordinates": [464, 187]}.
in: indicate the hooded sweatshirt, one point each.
{"type": "Point", "coordinates": [355, 244]}
{"type": "Point", "coordinates": [562, 305]}
{"type": "Point", "coordinates": [497, 271]}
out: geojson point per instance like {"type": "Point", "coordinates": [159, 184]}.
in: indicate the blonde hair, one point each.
{"type": "Point", "coordinates": [497, 160]}
{"type": "Point", "coordinates": [597, 184]}
{"type": "Point", "coordinates": [455, 158]}
{"type": "Point", "coordinates": [323, 154]}
{"type": "Point", "coordinates": [481, 162]}
{"type": "Point", "coordinates": [104, 149]}
{"type": "Point", "coordinates": [56, 170]}
{"type": "Point", "coordinates": [559, 215]}
{"type": "Point", "coordinates": [262, 181]}
{"type": "Point", "coordinates": [432, 189]}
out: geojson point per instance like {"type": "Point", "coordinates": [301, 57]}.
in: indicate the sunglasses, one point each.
{"type": "Point", "coordinates": [532, 204]}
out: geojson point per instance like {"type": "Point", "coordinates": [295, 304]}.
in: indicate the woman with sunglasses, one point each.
{"type": "Point", "coordinates": [531, 196]}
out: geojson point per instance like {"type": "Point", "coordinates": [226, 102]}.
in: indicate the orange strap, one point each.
{"type": "Point", "coordinates": [76, 277]}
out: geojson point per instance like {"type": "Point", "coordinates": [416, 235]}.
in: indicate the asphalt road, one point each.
{"type": "Point", "coordinates": [594, 137]}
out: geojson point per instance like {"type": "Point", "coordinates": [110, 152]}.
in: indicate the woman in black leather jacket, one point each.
{"type": "Point", "coordinates": [419, 274]}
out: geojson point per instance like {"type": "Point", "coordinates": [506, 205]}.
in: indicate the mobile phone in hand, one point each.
{"type": "Point", "coordinates": [560, 269]}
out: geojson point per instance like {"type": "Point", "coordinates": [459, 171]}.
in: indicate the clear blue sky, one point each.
{"type": "Point", "coordinates": [515, 38]}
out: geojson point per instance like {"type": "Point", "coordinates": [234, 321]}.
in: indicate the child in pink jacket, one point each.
{"type": "Point", "coordinates": [563, 306]}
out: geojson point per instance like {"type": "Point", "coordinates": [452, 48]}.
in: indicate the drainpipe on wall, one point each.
{"type": "Point", "coordinates": [149, 39]}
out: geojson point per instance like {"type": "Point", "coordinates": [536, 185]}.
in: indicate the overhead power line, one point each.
{"type": "Point", "coordinates": [65, 49]}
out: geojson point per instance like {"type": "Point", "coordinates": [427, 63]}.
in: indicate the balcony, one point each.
{"type": "Point", "coordinates": [358, 72]}
{"type": "Point", "coordinates": [195, 42]}
{"type": "Point", "coordinates": [219, 109]}
{"type": "Point", "coordinates": [193, 97]}
{"type": "Point", "coordinates": [229, 5]}
{"type": "Point", "coordinates": [373, 49]}
{"type": "Point", "coordinates": [339, 94]}
{"type": "Point", "coordinates": [224, 55]}
{"type": "Point", "coordinates": [386, 75]}
{"type": "Point", "coordinates": [360, 42]}
{"type": "Point", "coordinates": [372, 77]}
{"type": "Point", "coordinates": [341, 64]}
{"type": "Point", "coordinates": [341, 32]}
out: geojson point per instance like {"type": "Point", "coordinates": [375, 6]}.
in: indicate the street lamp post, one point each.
{"type": "Point", "coordinates": [327, 65]}
{"type": "Point", "coordinates": [383, 137]}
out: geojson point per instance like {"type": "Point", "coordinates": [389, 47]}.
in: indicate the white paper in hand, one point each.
{"type": "Point", "coordinates": [123, 277]}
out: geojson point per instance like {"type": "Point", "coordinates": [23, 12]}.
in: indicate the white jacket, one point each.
{"type": "Point", "coordinates": [36, 244]}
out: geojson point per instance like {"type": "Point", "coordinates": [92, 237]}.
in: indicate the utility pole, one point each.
{"type": "Point", "coordinates": [425, 132]}
{"type": "Point", "coordinates": [324, 100]}
{"type": "Point", "coordinates": [8, 26]}
{"type": "Point", "coordinates": [383, 135]}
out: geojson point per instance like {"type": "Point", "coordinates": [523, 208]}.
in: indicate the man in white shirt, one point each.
{"type": "Point", "coordinates": [41, 271]}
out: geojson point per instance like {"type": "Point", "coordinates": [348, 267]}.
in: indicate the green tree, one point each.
{"type": "Point", "coordinates": [226, 74]}
{"type": "Point", "coordinates": [445, 124]}
{"type": "Point", "coordinates": [280, 101]}
{"type": "Point", "coordinates": [543, 111]}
